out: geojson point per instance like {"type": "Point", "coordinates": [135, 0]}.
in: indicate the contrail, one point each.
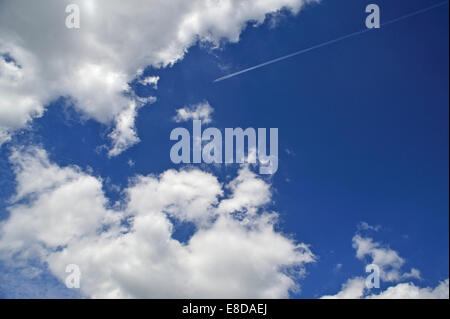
{"type": "Point", "coordinates": [329, 42]}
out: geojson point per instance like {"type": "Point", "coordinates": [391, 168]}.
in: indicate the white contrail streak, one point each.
{"type": "Point", "coordinates": [329, 42]}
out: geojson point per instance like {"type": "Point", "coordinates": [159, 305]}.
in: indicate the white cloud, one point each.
{"type": "Point", "coordinates": [150, 80]}
{"type": "Point", "coordinates": [66, 205]}
{"type": "Point", "coordinates": [131, 163]}
{"type": "Point", "coordinates": [387, 259]}
{"type": "Point", "coordinates": [201, 111]}
{"type": "Point", "coordinates": [390, 264]}
{"type": "Point", "coordinates": [186, 195]}
{"type": "Point", "coordinates": [355, 288]}
{"type": "Point", "coordinates": [352, 289]}
{"type": "Point", "coordinates": [411, 291]}
{"type": "Point", "coordinates": [248, 193]}
{"type": "Point", "coordinates": [124, 134]}
{"type": "Point", "coordinates": [61, 216]}
{"type": "Point", "coordinates": [94, 64]}
{"type": "Point", "coordinates": [365, 226]}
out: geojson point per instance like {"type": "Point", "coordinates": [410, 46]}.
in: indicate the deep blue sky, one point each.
{"type": "Point", "coordinates": [365, 120]}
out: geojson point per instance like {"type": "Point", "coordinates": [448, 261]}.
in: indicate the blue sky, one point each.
{"type": "Point", "coordinates": [363, 135]}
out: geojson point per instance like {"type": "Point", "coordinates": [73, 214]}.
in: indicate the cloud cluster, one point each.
{"type": "Point", "coordinates": [390, 264]}
{"type": "Point", "coordinates": [355, 288]}
{"type": "Point", "coordinates": [386, 258]}
{"type": "Point", "coordinates": [201, 111]}
{"type": "Point", "coordinates": [41, 59]}
{"type": "Point", "coordinates": [411, 291]}
{"type": "Point", "coordinates": [60, 216]}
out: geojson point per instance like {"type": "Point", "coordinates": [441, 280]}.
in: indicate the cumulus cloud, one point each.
{"type": "Point", "coordinates": [352, 289]}
{"type": "Point", "coordinates": [48, 222]}
{"type": "Point", "coordinates": [94, 64]}
{"type": "Point", "coordinates": [61, 216]}
{"type": "Point", "coordinates": [248, 193]}
{"type": "Point", "coordinates": [411, 291]}
{"type": "Point", "coordinates": [355, 288]}
{"type": "Point", "coordinates": [390, 264]}
{"type": "Point", "coordinates": [201, 111]}
{"type": "Point", "coordinates": [124, 134]}
{"type": "Point", "coordinates": [386, 258]}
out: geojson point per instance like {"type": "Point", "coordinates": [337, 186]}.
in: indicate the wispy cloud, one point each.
{"type": "Point", "coordinates": [201, 111]}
